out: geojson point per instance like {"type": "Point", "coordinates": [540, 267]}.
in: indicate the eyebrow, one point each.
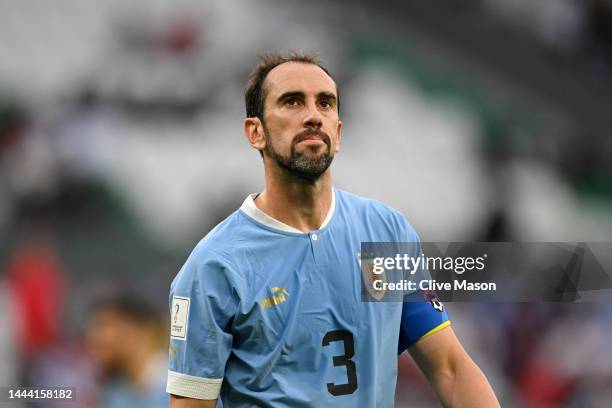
{"type": "Point", "coordinates": [299, 94]}
{"type": "Point", "coordinates": [289, 94]}
{"type": "Point", "coordinates": [329, 96]}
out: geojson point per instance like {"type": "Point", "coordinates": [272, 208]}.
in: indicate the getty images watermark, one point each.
{"type": "Point", "coordinates": [411, 265]}
{"type": "Point", "coordinates": [487, 271]}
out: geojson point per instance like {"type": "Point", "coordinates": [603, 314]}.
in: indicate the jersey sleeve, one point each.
{"type": "Point", "coordinates": [203, 301]}
{"type": "Point", "coordinates": [422, 313]}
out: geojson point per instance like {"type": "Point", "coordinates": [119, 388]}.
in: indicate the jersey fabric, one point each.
{"type": "Point", "coordinates": [264, 315]}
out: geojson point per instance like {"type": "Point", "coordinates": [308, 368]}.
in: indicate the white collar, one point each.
{"type": "Point", "coordinates": [250, 209]}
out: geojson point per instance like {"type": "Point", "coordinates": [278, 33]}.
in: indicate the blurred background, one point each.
{"type": "Point", "coordinates": [121, 145]}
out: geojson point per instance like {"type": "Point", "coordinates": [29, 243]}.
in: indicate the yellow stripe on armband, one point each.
{"type": "Point", "coordinates": [436, 329]}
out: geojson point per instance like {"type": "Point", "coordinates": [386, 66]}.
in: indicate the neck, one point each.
{"type": "Point", "coordinates": [299, 203]}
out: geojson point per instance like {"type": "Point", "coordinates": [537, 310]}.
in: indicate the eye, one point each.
{"type": "Point", "coordinates": [291, 101]}
{"type": "Point", "coordinates": [325, 104]}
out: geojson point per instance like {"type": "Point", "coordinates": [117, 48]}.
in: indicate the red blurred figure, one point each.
{"type": "Point", "coordinates": [37, 286]}
{"type": "Point", "coordinates": [542, 386]}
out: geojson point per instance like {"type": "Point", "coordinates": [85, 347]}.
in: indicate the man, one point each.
{"type": "Point", "coordinates": [266, 312]}
{"type": "Point", "coordinates": [125, 339]}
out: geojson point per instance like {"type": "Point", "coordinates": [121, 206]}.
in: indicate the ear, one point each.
{"type": "Point", "coordinates": [339, 136]}
{"type": "Point", "coordinates": [253, 130]}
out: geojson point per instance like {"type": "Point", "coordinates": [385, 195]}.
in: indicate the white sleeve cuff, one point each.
{"type": "Point", "coordinates": [193, 387]}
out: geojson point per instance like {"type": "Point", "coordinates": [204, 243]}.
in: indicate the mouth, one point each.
{"type": "Point", "coordinates": [312, 140]}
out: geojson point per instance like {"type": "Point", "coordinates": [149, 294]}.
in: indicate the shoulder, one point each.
{"type": "Point", "coordinates": [375, 211]}
{"type": "Point", "coordinates": [213, 254]}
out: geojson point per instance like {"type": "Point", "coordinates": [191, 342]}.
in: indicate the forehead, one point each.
{"type": "Point", "coordinates": [298, 76]}
{"type": "Point", "coordinates": [107, 313]}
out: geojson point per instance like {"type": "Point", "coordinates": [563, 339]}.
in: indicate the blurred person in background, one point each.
{"type": "Point", "coordinates": [37, 283]}
{"type": "Point", "coordinates": [126, 337]}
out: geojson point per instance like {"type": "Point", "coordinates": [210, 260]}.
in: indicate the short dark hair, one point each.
{"type": "Point", "coordinates": [133, 308]}
{"type": "Point", "coordinates": [255, 93]}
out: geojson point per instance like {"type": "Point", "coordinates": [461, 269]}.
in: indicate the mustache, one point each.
{"type": "Point", "coordinates": [306, 133]}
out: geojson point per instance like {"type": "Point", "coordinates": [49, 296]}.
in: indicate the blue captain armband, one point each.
{"type": "Point", "coordinates": [422, 315]}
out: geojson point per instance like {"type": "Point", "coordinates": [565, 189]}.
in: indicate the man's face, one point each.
{"type": "Point", "coordinates": [111, 339]}
{"type": "Point", "coordinates": [301, 125]}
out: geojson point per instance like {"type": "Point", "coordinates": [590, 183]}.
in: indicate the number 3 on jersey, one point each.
{"type": "Point", "coordinates": [344, 360]}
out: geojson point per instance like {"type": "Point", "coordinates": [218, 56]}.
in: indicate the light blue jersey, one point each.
{"type": "Point", "coordinates": [263, 315]}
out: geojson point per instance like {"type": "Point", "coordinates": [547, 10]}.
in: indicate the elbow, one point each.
{"type": "Point", "coordinates": [445, 376]}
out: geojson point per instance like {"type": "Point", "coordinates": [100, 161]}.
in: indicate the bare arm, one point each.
{"type": "Point", "coordinates": [456, 379]}
{"type": "Point", "coordinates": [184, 402]}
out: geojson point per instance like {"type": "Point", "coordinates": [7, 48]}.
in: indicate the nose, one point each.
{"type": "Point", "coordinates": [313, 118]}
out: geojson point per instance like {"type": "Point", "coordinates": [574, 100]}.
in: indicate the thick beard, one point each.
{"type": "Point", "coordinates": [299, 165]}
